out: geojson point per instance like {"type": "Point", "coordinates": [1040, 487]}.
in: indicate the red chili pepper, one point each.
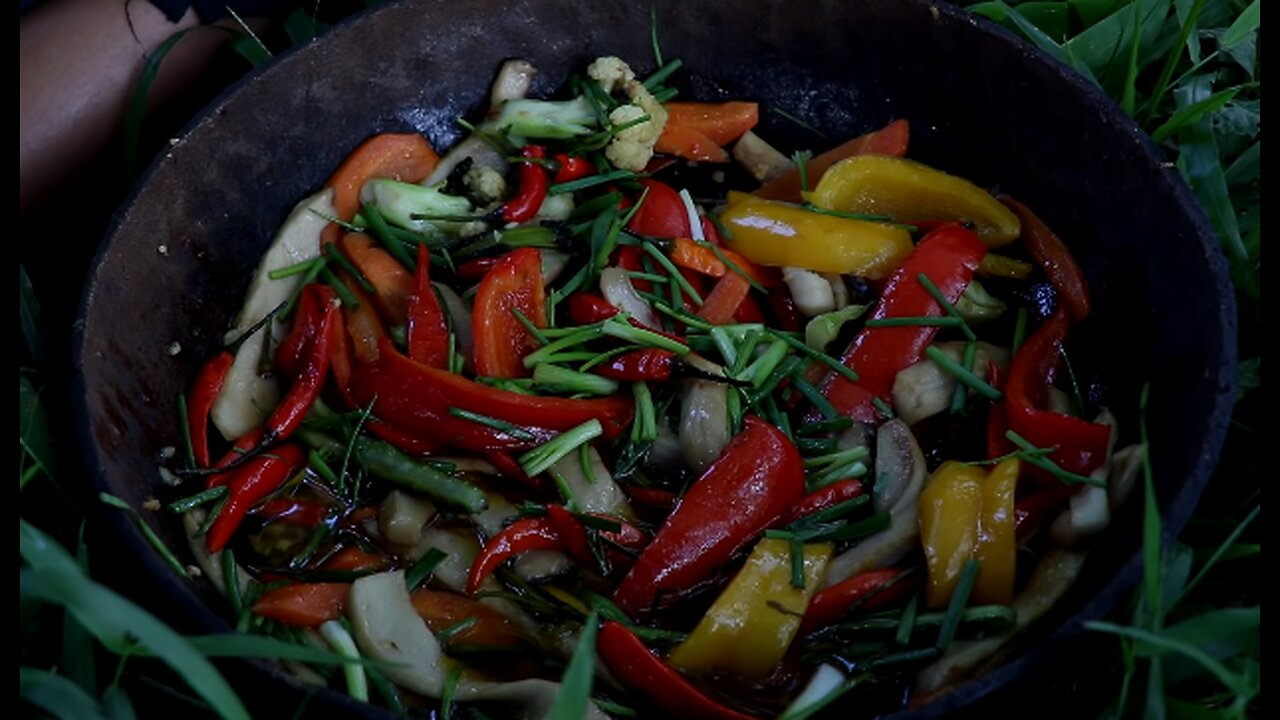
{"type": "Point", "coordinates": [756, 479]}
{"type": "Point", "coordinates": [636, 365]}
{"type": "Point", "coordinates": [243, 445]}
{"type": "Point", "coordinates": [642, 672]}
{"type": "Point", "coordinates": [572, 167]}
{"type": "Point", "coordinates": [588, 308]}
{"type": "Point", "coordinates": [533, 188]}
{"type": "Point", "coordinates": [559, 530]}
{"type": "Point", "coordinates": [823, 498]}
{"type": "Point", "coordinates": [868, 590]}
{"type": "Point", "coordinates": [651, 497]}
{"type": "Point", "coordinates": [287, 416]}
{"type": "Point", "coordinates": [662, 214]}
{"type": "Point", "coordinates": [312, 304]}
{"type": "Point", "coordinates": [631, 258]}
{"type": "Point", "coordinates": [501, 340]}
{"type": "Point", "coordinates": [749, 310]}
{"type": "Point", "coordinates": [427, 329]}
{"type": "Point", "coordinates": [415, 399]}
{"type": "Point", "coordinates": [1080, 445]}
{"type": "Point", "coordinates": [1053, 256]}
{"type": "Point", "coordinates": [252, 482]}
{"type": "Point", "coordinates": [408, 442]}
{"type": "Point", "coordinates": [948, 256]}
{"type": "Point", "coordinates": [204, 391]}
{"type": "Point", "coordinates": [293, 511]}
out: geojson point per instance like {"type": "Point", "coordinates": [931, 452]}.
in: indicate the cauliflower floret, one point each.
{"type": "Point", "coordinates": [632, 147]}
{"type": "Point", "coordinates": [611, 72]}
{"type": "Point", "coordinates": [486, 184]}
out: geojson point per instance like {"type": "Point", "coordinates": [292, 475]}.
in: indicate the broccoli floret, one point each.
{"type": "Point", "coordinates": [553, 119]}
{"type": "Point", "coordinates": [409, 206]}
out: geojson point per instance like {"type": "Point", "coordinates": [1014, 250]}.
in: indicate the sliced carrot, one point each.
{"type": "Point", "coordinates": [689, 144]}
{"type": "Point", "coordinates": [722, 123]}
{"type": "Point", "coordinates": [722, 302]}
{"type": "Point", "coordinates": [700, 258]}
{"type": "Point", "coordinates": [303, 604]}
{"type": "Point", "coordinates": [352, 559]}
{"type": "Point", "coordinates": [441, 609]}
{"type": "Point", "coordinates": [407, 157]}
{"type": "Point", "coordinates": [364, 327]}
{"type": "Point", "coordinates": [393, 284]}
{"type": "Point", "coordinates": [890, 140]}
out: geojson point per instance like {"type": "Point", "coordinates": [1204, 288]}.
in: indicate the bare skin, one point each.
{"type": "Point", "coordinates": [79, 61]}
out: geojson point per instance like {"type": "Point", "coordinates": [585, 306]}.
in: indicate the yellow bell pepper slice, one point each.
{"type": "Point", "coordinates": [749, 627]}
{"type": "Point", "coordinates": [784, 235]}
{"type": "Point", "coordinates": [997, 536]}
{"type": "Point", "coordinates": [949, 508]}
{"type": "Point", "coordinates": [907, 191]}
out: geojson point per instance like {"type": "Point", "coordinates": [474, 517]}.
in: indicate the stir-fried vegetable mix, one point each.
{"type": "Point", "coordinates": [760, 450]}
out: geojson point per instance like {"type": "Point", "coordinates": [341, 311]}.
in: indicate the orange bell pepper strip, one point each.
{"type": "Point", "coordinates": [892, 139]}
{"type": "Point", "coordinates": [303, 604]}
{"type": "Point", "coordinates": [697, 131]}
{"type": "Point", "coordinates": [997, 536]}
{"type": "Point", "coordinates": [688, 253]}
{"type": "Point", "coordinates": [392, 283]}
{"type": "Point", "coordinates": [406, 157]}
{"type": "Point", "coordinates": [501, 340]}
{"type": "Point", "coordinates": [722, 302]}
{"type": "Point", "coordinates": [441, 610]}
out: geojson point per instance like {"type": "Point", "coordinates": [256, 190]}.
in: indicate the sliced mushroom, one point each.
{"type": "Point", "coordinates": [616, 287]}
{"type": "Point", "coordinates": [900, 475]}
{"type": "Point", "coordinates": [389, 630]}
{"type": "Point", "coordinates": [248, 394]}
{"type": "Point", "coordinates": [762, 160]}
{"type": "Point", "coordinates": [924, 389]}
{"type": "Point", "coordinates": [704, 423]}
{"type": "Point", "coordinates": [401, 517]}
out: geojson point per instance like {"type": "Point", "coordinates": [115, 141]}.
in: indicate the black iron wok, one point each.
{"type": "Point", "coordinates": [981, 104]}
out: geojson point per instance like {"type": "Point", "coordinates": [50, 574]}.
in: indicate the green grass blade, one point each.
{"type": "Point", "coordinates": [1246, 23]}
{"type": "Point", "coordinates": [1102, 47]}
{"type": "Point", "coordinates": [56, 695]}
{"type": "Point", "coordinates": [1246, 168]}
{"type": "Point", "coordinates": [29, 316]}
{"type": "Point", "coordinates": [136, 110]}
{"type": "Point", "coordinates": [1045, 43]}
{"type": "Point", "coordinates": [116, 622]}
{"type": "Point", "coordinates": [1194, 113]}
{"type": "Point", "coordinates": [1202, 167]}
{"type": "Point", "coordinates": [1128, 97]}
{"type": "Point", "coordinates": [1152, 525]}
{"type": "Point", "coordinates": [1223, 634]}
{"type": "Point", "coordinates": [116, 704]}
{"type": "Point", "coordinates": [301, 27]}
{"type": "Point", "coordinates": [249, 45]}
{"type": "Point", "coordinates": [575, 687]}
{"type": "Point", "coordinates": [33, 433]}
{"type": "Point", "coordinates": [1221, 551]}
{"type": "Point", "coordinates": [77, 645]}
{"type": "Point", "coordinates": [1187, 28]}
{"type": "Point", "coordinates": [1155, 644]}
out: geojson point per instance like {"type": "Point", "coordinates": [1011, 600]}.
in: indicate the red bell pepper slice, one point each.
{"type": "Point", "coordinates": [629, 257]}
{"type": "Point", "coordinates": [662, 214]}
{"type": "Point", "coordinates": [783, 309]}
{"type": "Point", "coordinates": [1054, 258]}
{"type": "Point", "coordinates": [631, 662]}
{"type": "Point", "coordinates": [533, 188]}
{"type": "Point", "coordinates": [204, 391]}
{"type": "Point", "coordinates": [948, 256]}
{"type": "Point", "coordinates": [1031, 511]}
{"type": "Point", "coordinates": [756, 479]}
{"type": "Point", "coordinates": [1079, 446]}
{"type": "Point", "coordinates": [312, 304]}
{"type": "Point", "coordinates": [501, 341]}
{"type": "Point", "coordinates": [253, 481]}
{"type": "Point", "coordinates": [415, 399]}
{"type": "Point", "coordinates": [870, 591]}
{"type": "Point", "coordinates": [292, 511]}
{"type": "Point", "coordinates": [427, 329]}
{"type": "Point", "coordinates": [589, 308]}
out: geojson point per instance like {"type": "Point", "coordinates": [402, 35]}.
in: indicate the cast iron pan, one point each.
{"type": "Point", "coordinates": [981, 104]}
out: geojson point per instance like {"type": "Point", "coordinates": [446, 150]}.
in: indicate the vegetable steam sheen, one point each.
{"type": "Point", "coordinates": [562, 420]}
